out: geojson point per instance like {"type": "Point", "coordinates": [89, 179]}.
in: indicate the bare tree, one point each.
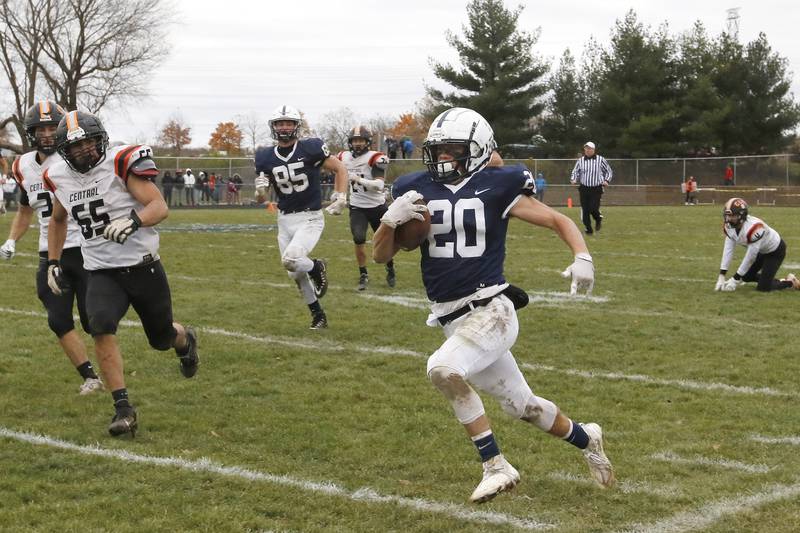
{"type": "Point", "coordinates": [333, 127]}
{"type": "Point", "coordinates": [254, 129]}
{"type": "Point", "coordinates": [81, 53]}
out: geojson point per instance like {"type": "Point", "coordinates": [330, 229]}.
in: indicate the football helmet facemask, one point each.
{"type": "Point", "coordinates": [281, 113]}
{"type": "Point", "coordinates": [467, 140]}
{"type": "Point", "coordinates": [74, 128]}
{"type": "Point", "coordinates": [43, 113]}
{"type": "Point", "coordinates": [359, 132]}
{"type": "Point", "coordinates": [735, 212]}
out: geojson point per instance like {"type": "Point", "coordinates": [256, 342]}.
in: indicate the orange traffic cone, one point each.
{"type": "Point", "coordinates": [271, 207]}
{"type": "Point", "coordinates": [569, 201]}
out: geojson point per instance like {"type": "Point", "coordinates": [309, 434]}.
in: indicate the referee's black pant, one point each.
{"type": "Point", "coordinates": [590, 206]}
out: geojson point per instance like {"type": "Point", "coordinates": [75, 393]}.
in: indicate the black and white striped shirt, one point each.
{"type": "Point", "coordinates": [591, 171]}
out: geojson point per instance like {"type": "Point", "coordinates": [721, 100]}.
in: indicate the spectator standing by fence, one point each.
{"type": "Point", "coordinates": [167, 182]}
{"type": "Point", "coordinates": [728, 175]}
{"type": "Point", "coordinates": [391, 148]}
{"type": "Point", "coordinates": [541, 185]}
{"type": "Point", "coordinates": [591, 174]}
{"type": "Point", "coordinates": [189, 180]}
{"type": "Point", "coordinates": [180, 184]}
{"type": "Point", "coordinates": [408, 148]}
{"type": "Point", "coordinates": [690, 189]}
{"type": "Point", "coordinates": [199, 187]}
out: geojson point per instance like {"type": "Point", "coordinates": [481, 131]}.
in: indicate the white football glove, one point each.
{"type": "Point", "coordinates": [8, 249]}
{"type": "Point", "coordinates": [720, 282]}
{"type": "Point", "coordinates": [582, 273]}
{"type": "Point", "coordinates": [119, 230]}
{"type": "Point", "coordinates": [731, 284]}
{"type": "Point", "coordinates": [404, 209]}
{"type": "Point", "coordinates": [55, 277]}
{"type": "Point", "coordinates": [338, 203]}
{"type": "Point", "coordinates": [262, 184]}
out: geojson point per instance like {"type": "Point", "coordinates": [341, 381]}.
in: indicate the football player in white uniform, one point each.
{"type": "Point", "coordinates": [293, 169]}
{"type": "Point", "coordinates": [40, 123]}
{"type": "Point", "coordinates": [366, 170]}
{"type": "Point", "coordinates": [765, 251]}
{"type": "Point", "coordinates": [470, 203]}
{"type": "Point", "coordinates": [109, 194]}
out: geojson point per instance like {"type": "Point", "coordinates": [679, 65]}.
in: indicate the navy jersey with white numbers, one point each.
{"type": "Point", "coordinates": [295, 177]}
{"type": "Point", "coordinates": [466, 245]}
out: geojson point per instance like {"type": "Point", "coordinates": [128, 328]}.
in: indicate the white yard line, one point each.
{"type": "Point", "coordinates": [707, 515]}
{"type": "Point", "coordinates": [328, 488]}
{"type": "Point", "coordinates": [793, 440]}
{"type": "Point", "coordinates": [671, 457]}
{"type": "Point", "coordinates": [625, 486]}
{"type": "Point", "coordinates": [293, 342]}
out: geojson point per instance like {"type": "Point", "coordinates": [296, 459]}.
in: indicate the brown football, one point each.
{"type": "Point", "coordinates": [414, 232]}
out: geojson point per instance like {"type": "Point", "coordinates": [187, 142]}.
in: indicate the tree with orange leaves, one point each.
{"type": "Point", "coordinates": [227, 138]}
{"type": "Point", "coordinates": [174, 135]}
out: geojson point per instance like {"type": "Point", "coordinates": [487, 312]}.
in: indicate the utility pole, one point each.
{"type": "Point", "coordinates": [732, 22]}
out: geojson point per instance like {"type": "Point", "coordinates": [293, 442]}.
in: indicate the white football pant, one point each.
{"type": "Point", "coordinates": [298, 234]}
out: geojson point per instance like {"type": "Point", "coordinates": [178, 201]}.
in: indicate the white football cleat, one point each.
{"type": "Point", "coordinates": [498, 476]}
{"type": "Point", "coordinates": [599, 465]}
{"type": "Point", "coordinates": [91, 385]}
{"type": "Point", "coordinates": [794, 280]}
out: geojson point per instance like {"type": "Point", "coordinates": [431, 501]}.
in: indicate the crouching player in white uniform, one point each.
{"type": "Point", "coordinates": [40, 123]}
{"type": "Point", "coordinates": [462, 268]}
{"type": "Point", "coordinates": [765, 251]}
{"type": "Point", "coordinates": [292, 167]}
{"type": "Point", "coordinates": [109, 194]}
{"type": "Point", "coordinates": [365, 169]}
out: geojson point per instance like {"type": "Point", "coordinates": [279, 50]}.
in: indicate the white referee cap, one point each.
{"type": "Point", "coordinates": [590, 144]}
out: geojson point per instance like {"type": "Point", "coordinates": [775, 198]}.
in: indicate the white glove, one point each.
{"type": "Point", "coordinates": [731, 284]}
{"type": "Point", "coordinates": [262, 183]}
{"type": "Point", "coordinates": [720, 282]}
{"type": "Point", "coordinates": [55, 277]}
{"type": "Point", "coordinates": [8, 249]}
{"type": "Point", "coordinates": [582, 273]}
{"type": "Point", "coordinates": [404, 209]}
{"type": "Point", "coordinates": [119, 230]}
{"type": "Point", "coordinates": [338, 203]}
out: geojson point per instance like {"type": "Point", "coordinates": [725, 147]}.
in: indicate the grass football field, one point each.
{"type": "Point", "coordinates": [287, 429]}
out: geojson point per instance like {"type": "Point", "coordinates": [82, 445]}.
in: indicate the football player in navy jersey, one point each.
{"type": "Point", "coordinates": [470, 202]}
{"type": "Point", "coordinates": [292, 168]}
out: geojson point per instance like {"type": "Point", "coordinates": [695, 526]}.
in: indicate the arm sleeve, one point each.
{"type": "Point", "coordinates": [727, 254]}
{"type": "Point", "coordinates": [576, 172]}
{"type": "Point", "coordinates": [749, 259]}
{"type": "Point", "coordinates": [607, 172]}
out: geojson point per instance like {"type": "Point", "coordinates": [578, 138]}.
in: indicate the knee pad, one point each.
{"type": "Point", "coordinates": [538, 411]}
{"type": "Point", "coordinates": [467, 405]}
{"type": "Point", "coordinates": [291, 256]}
{"type": "Point", "coordinates": [60, 325]}
{"type": "Point", "coordinates": [164, 339]}
{"type": "Point", "coordinates": [100, 325]}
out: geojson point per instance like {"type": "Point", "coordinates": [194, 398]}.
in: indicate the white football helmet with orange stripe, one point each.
{"type": "Point", "coordinates": [75, 128]}
{"type": "Point", "coordinates": [735, 213]}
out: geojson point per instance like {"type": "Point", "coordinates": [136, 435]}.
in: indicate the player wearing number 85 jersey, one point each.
{"type": "Point", "coordinates": [462, 269]}
{"type": "Point", "coordinates": [109, 194]}
{"type": "Point", "coordinates": [40, 124]}
{"type": "Point", "coordinates": [292, 168]}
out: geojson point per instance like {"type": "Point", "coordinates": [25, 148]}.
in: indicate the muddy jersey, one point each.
{"type": "Point", "coordinates": [27, 172]}
{"type": "Point", "coordinates": [755, 235]}
{"type": "Point", "coordinates": [362, 166]}
{"type": "Point", "coordinates": [95, 198]}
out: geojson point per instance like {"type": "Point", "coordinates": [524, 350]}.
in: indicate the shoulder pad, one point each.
{"type": "Point", "coordinates": [756, 232]}
{"type": "Point", "coordinates": [127, 157]}
{"type": "Point", "coordinates": [379, 159]}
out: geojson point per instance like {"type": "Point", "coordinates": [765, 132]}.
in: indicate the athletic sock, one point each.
{"type": "Point", "coordinates": [86, 370]}
{"type": "Point", "coordinates": [120, 398]}
{"type": "Point", "coordinates": [577, 436]}
{"type": "Point", "coordinates": [486, 445]}
{"type": "Point", "coordinates": [362, 270]}
{"type": "Point", "coordinates": [315, 308]}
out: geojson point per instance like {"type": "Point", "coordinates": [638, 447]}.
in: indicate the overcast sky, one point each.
{"type": "Point", "coordinates": [241, 57]}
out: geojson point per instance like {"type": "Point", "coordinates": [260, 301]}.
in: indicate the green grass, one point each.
{"type": "Point", "coordinates": [351, 405]}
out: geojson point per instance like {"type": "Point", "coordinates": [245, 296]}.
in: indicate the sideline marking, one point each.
{"type": "Point", "coordinates": [392, 350]}
{"type": "Point", "coordinates": [776, 440]}
{"type": "Point", "coordinates": [364, 494]}
{"type": "Point", "coordinates": [728, 464]}
{"type": "Point", "coordinates": [707, 515]}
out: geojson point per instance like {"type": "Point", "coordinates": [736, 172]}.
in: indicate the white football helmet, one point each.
{"type": "Point", "coordinates": [464, 132]}
{"type": "Point", "coordinates": [285, 112]}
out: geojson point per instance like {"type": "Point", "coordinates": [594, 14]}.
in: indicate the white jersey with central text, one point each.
{"type": "Point", "coordinates": [361, 166]}
{"type": "Point", "coordinates": [755, 235]}
{"type": "Point", "coordinates": [97, 197]}
{"type": "Point", "coordinates": [27, 172]}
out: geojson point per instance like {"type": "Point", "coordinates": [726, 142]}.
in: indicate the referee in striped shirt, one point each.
{"type": "Point", "coordinates": [591, 174]}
